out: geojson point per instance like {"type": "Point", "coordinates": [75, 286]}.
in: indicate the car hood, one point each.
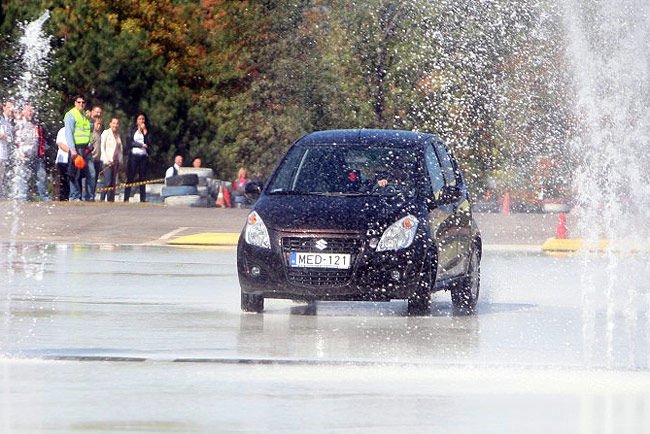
{"type": "Point", "coordinates": [331, 213]}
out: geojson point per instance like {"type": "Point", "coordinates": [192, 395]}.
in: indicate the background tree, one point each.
{"type": "Point", "coordinates": [236, 82]}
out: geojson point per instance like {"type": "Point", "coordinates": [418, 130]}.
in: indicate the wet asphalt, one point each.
{"type": "Point", "coordinates": [135, 223]}
{"type": "Point", "coordinates": [106, 328]}
{"type": "Point", "coordinates": [149, 338]}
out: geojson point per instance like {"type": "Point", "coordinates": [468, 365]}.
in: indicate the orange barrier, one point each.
{"type": "Point", "coordinates": [505, 206]}
{"type": "Point", "coordinates": [561, 231]}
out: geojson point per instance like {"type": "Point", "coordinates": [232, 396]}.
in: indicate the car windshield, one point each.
{"type": "Point", "coordinates": [336, 169]}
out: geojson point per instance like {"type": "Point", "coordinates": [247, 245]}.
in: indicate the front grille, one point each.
{"type": "Point", "coordinates": [317, 277]}
{"type": "Point", "coordinates": [334, 245]}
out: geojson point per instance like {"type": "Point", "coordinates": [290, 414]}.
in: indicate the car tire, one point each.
{"type": "Point", "coordinates": [185, 179]}
{"type": "Point", "coordinates": [189, 200]}
{"type": "Point", "coordinates": [178, 190]}
{"type": "Point", "coordinates": [252, 303]}
{"type": "Point", "coordinates": [464, 295]}
{"type": "Point", "coordinates": [419, 303]}
{"type": "Point", "coordinates": [154, 189]}
{"type": "Point", "coordinates": [203, 173]}
{"type": "Point", "coordinates": [202, 190]}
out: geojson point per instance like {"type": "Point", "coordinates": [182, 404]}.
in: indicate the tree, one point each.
{"type": "Point", "coordinates": [13, 16]}
{"type": "Point", "coordinates": [238, 81]}
{"type": "Point", "coordinates": [375, 47]}
{"type": "Point", "coordinates": [258, 81]}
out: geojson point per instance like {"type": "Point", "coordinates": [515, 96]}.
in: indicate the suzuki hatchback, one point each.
{"type": "Point", "coordinates": [362, 215]}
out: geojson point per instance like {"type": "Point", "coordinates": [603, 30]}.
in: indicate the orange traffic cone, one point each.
{"type": "Point", "coordinates": [220, 202]}
{"type": "Point", "coordinates": [226, 198]}
{"type": "Point", "coordinates": [561, 229]}
{"type": "Point", "coordinates": [505, 206]}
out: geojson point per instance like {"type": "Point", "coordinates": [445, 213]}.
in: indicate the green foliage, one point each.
{"type": "Point", "coordinates": [236, 82]}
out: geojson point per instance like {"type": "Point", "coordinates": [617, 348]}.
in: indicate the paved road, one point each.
{"type": "Point", "coordinates": [98, 339]}
{"type": "Point", "coordinates": [115, 223]}
{"type": "Point", "coordinates": [148, 223]}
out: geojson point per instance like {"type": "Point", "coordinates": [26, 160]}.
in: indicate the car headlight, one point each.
{"type": "Point", "coordinates": [399, 235]}
{"type": "Point", "coordinates": [255, 232]}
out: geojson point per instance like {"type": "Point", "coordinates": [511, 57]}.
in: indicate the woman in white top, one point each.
{"type": "Point", "coordinates": [139, 149]}
{"type": "Point", "coordinates": [111, 157]}
{"type": "Point", "coordinates": [62, 156]}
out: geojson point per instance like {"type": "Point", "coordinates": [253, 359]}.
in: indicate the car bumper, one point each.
{"type": "Point", "coordinates": [373, 275]}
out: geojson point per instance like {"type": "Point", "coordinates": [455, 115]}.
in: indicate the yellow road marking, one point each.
{"type": "Point", "coordinates": [207, 239]}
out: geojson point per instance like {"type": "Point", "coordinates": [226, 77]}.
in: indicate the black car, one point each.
{"type": "Point", "coordinates": [362, 215]}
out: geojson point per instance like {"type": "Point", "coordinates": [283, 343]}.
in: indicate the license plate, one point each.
{"type": "Point", "coordinates": [319, 260]}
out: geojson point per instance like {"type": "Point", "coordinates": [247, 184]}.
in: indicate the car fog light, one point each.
{"type": "Point", "coordinates": [255, 271]}
{"type": "Point", "coordinates": [373, 242]}
{"type": "Point", "coordinates": [395, 275]}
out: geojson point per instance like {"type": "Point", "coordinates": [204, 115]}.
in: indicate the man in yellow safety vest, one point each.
{"type": "Point", "coordinates": [77, 136]}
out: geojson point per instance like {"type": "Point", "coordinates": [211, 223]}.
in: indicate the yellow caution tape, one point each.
{"type": "Point", "coordinates": [132, 184]}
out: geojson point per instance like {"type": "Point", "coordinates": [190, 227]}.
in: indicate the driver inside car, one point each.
{"type": "Point", "coordinates": [394, 177]}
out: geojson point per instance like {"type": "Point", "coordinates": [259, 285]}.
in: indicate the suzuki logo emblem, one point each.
{"type": "Point", "coordinates": [321, 244]}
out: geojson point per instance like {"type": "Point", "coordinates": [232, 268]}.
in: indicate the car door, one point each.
{"type": "Point", "coordinates": [456, 199]}
{"type": "Point", "coordinates": [440, 215]}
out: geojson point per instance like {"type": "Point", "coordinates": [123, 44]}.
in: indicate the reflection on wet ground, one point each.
{"type": "Point", "coordinates": [172, 304]}
{"type": "Point", "coordinates": [163, 325]}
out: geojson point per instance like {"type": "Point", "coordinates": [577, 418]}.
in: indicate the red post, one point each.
{"type": "Point", "coordinates": [226, 198]}
{"type": "Point", "coordinates": [561, 229]}
{"type": "Point", "coordinates": [505, 206]}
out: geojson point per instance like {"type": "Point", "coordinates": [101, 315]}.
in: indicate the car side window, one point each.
{"type": "Point", "coordinates": [433, 169]}
{"type": "Point", "coordinates": [284, 177]}
{"type": "Point", "coordinates": [447, 166]}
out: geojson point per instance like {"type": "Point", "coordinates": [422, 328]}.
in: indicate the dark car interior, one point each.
{"type": "Point", "coordinates": [359, 170]}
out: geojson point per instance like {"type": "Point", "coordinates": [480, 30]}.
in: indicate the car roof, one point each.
{"type": "Point", "coordinates": [367, 137]}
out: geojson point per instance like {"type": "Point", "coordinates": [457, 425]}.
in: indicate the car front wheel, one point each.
{"type": "Point", "coordinates": [465, 294]}
{"type": "Point", "coordinates": [419, 303]}
{"type": "Point", "coordinates": [252, 303]}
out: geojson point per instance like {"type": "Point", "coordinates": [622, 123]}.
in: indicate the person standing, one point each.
{"type": "Point", "coordinates": [173, 170]}
{"type": "Point", "coordinates": [95, 142]}
{"type": "Point", "coordinates": [62, 154]}
{"type": "Point", "coordinates": [139, 149]}
{"type": "Point", "coordinates": [30, 149]}
{"type": "Point", "coordinates": [239, 184]}
{"type": "Point", "coordinates": [40, 164]}
{"type": "Point", "coordinates": [96, 114]}
{"type": "Point", "coordinates": [77, 137]}
{"type": "Point", "coordinates": [6, 143]}
{"type": "Point", "coordinates": [111, 154]}
{"type": "Point", "coordinates": [239, 187]}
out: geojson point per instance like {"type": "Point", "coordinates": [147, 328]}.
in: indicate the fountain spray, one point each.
{"type": "Point", "coordinates": [608, 51]}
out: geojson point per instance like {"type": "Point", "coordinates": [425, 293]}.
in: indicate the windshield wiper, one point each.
{"type": "Point", "coordinates": [318, 193]}
{"type": "Point", "coordinates": [343, 193]}
{"type": "Point", "coordinates": [290, 192]}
